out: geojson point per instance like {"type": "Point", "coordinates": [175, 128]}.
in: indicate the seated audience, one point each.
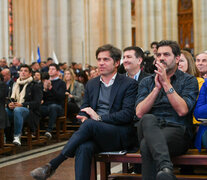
{"type": "Point", "coordinates": [187, 65]}
{"type": "Point", "coordinates": [3, 116]}
{"type": "Point", "coordinates": [75, 91]}
{"type": "Point", "coordinates": [132, 60]}
{"type": "Point", "coordinates": [24, 103]}
{"type": "Point", "coordinates": [3, 63]}
{"type": "Point", "coordinates": [107, 114]}
{"type": "Point", "coordinates": [46, 67]}
{"type": "Point", "coordinates": [9, 85]}
{"type": "Point", "coordinates": [153, 46]}
{"type": "Point", "coordinates": [82, 77]}
{"type": "Point", "coordinates": [165, 102]}
{"type": "Point", "coordinates": [14, 69]}
{"type": "Point", "coordinates": [201, 112]}
{"type": "Point", "coordinates": [53, 98]}
{"type": "Point", "coordinates": [37, 77]}
{"type": "Point", "coordinates": [201, 64]}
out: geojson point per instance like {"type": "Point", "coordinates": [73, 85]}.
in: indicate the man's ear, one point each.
{"type": "Point", "coordinates": [177, 58]}
{"type": "Point", "coordinates": [140, 60]}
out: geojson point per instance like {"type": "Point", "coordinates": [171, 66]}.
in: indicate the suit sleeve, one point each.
{"type": "Point", "coordinates": [36, 97]}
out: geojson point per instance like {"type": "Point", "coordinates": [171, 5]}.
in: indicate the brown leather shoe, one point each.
{"type": "Point", "coordinates": [42, 173]}
{"type": "Point", "coordinates": [165, 174]}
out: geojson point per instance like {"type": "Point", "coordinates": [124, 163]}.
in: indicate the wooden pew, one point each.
{"type": "Point", "coordinates": [192, 157]}
{"type": "Point", "coordinates": [61, 124]}
{"type": "Point", "coordinates": [4, 148]}
{"type": "Point", "coordinates": [33, 140]}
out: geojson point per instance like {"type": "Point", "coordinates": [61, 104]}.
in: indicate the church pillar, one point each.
{"type": "Point", "coordinates": [4, 45]}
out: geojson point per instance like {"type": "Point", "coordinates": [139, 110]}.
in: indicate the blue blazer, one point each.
{"type": "Point", "coordinates": [121, 108]}
{"type": "Point", "coordinates": [201, 112]}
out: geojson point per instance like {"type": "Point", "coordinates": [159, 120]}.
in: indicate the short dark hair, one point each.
{"type": "Point", "coordinates": [153, 43]}
{"type": "Point", "coordinates": [115, 53]}
{"type": "Point", "coordinates": [26, 66]}
{"type": "Point", "coordinates": [173, 44]}
{"type": "Point", "coordinates": [49, 59]}
{"type": "Point", "coordinates": [138, 51]}
{"type": "Point", "coordinates": [55, 65]}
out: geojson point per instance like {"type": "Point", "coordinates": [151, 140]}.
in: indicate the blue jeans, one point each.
{"type": "Point", "coordinates": [53, 111]}
{"type": "Point", "coordinates": [19, 114]}
{"type": "Point", "coordinates": [204, 139]}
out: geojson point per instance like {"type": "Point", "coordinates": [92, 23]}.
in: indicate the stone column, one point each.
{"type": "Point", "coordinates": [126, 23]}
{"type": "Point", "coordinates": [155, 20]}
{"type": "Point", "coordinates": [200, 24]}
{"type": "Point", "coordinates": [64, 31]}
{"type": "Point", "coordinates": [77, 30]}
{"type": "Point", "coordinates": [4, 45]}
{"type": "Point", "coordinates": [52, 26]}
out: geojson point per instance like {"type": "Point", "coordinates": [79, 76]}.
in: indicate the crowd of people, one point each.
{"type": "Point", "coordinates": [147, 102]}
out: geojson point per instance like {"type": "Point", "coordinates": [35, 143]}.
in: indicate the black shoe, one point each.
{"type": "Point", "coordinates": [42, 173]}
{"type": "Point", "coordinates": [165, 174]}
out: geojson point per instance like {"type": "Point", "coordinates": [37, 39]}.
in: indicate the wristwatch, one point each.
{"type": "Point", "coordinates": [99, 118]}
{"type": "Point", "coordinates": [170, 91]}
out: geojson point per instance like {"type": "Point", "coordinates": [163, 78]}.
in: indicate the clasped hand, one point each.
{"type": "Point", "coordinates": [161, 77]}
{"type": "Point", "coordinates": [90, 112]}
{"type": "Point", "coordinates": [12, 105]}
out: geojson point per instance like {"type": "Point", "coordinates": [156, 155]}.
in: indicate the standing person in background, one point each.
{"type": "Point", "coordinates": [75, 91]}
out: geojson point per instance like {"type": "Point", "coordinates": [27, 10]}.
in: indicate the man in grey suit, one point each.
{"type": "Point", "coordinates": [107, 117]}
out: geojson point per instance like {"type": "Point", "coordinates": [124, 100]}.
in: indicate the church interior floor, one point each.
{"type": "Point", "coordinates": [18, 167]}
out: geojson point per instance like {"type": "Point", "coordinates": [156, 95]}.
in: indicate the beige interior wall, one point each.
{"type": "Point", "coordinates": [74, 29]}
{"type": "Point", "coordinates": [4, 31]}
{"type": "Point", "coordinates": [155, 20]}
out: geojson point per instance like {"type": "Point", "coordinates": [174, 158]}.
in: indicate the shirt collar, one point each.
{"type": "Point", "coordinates": [111, 82]}
{"type": "Point", "coordinates": [54, 79]}
{"type": "Point", "coordinates": [136, 76]}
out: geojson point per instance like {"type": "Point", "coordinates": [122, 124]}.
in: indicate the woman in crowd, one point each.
{"type": "Point", "coordinates": [187, 65]}
{"type": "Point", "coordinates": [82, 77]}
{"type": "Point", "coordinates": [74, 90]}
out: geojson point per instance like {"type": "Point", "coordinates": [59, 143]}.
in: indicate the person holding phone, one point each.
{"type": "Point", "coordinates": [24, 102]}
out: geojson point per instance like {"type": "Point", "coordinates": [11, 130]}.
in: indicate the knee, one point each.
{"type": "Point", "coordinates": [53, 107]}
{"type": "Point", "coordinates": [144, 148]}
{"type": "Point", "coordinates": [17, 110]}
{"type": "Point", "coordinates": [148, 120]}
{"type": "Point", "coordinates": [85, 148]}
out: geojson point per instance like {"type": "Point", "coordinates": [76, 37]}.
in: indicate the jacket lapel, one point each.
{"type": "Point", "coordinates": [114, 89]}
{"type": "Point", "coordinates": [95, 91]}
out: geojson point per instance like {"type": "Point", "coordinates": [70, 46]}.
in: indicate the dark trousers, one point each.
{"type": "Point", "coordinates": [53, 111]}
{"type": "Point", "coordinates": [158, 142]}
{"type": "Point", "coordinates": [92, 137]}
{"type": "Point", "coordinates": [73, 110]}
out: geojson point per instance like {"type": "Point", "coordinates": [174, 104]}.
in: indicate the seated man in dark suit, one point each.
{"type": "Point", "coordinates": [107, 114]}
{"type": "Point", "coordinates": [132, 60]}
{"type": "Point", "coordinates": [164, 103]}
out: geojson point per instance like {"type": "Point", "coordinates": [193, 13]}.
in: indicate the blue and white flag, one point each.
{"type": "Point", "coordinates": [38, 55]}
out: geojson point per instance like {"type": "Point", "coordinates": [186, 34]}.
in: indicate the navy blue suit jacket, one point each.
{"type": "Point", "coordinates": [121, 108]}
